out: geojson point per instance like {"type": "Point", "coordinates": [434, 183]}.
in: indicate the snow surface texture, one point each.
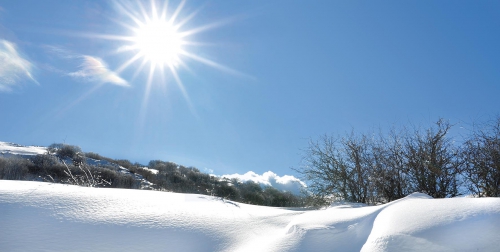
{"type": "Point", "coordinates": [39, 216]}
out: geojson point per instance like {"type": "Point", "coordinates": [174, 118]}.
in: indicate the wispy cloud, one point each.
{"type": "Point", "coordinates": [95, 70]}
{"type": "Point", "coordinates": [60, 52]}
{"type": "Point", "coordinates": [90, 69]}
{"type": "Point", "coordinates": [269, 178]}
{"type": "Point", "coordinates": [13, 68]}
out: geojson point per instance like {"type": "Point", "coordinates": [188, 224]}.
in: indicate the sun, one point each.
{"type": "Point", "coordinates": [159, 42]}
{"type": "Point", "coordinates": [156, 35]}
{"type": "Point", "coordinates": [159, 36]}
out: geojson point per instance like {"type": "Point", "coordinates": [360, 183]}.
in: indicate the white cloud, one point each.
{"type": "Point", "coordinates": [95, 70]}
{"type": "Point", "coordinates": [13, 67]}
{"type": "Point", "coordinates": [91, 69]}
{"type": "Point", "coordinates": [269, 178]}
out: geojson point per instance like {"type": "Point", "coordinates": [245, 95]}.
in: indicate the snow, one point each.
{"type": "Point", "coordinates": [154, 171]}
{"type": "Point", "coordinates": [15, 149]}
{"type": "Point", "coordinates": [40, 216]}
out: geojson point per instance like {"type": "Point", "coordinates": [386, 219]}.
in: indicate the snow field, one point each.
{"type": "Point", "coordinates": [39, 216]}
{"type": "Point", "coordinates": [15, 149]}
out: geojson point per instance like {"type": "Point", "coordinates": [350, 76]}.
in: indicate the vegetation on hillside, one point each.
{"type": "Point", "coordinates": [65, 163]}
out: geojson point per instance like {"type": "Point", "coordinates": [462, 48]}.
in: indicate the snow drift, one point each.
{"type": "Point", "coordinates": [38, 216]}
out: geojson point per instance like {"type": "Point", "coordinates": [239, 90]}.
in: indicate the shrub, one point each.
{"type": "Point", "coordinates": [44, 160]}
{"type": "Point", "coordinates": [48, 167]}
{"type": "Point", "coordinates": [14, 168]}
{"type": "Point", "coordinates": [226, 191]}
{"type": "Point", "coordinates": [66, 151]}
{"type": "Point", "coordinates": [83, 175]}
{"type": "Point", "coordinates": [93, 155]}
{"type": "Point", "coordinates": [115, 179]}
{"type": "Point", "coordinates": [482, 160]}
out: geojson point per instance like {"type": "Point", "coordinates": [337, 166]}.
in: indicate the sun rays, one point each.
{"type": "Point", "coordinates": [158, 43]}
{"type": "Point", "coordinates": [156, 36]}
{"type": "Point", "coordinates": [155, 43]}
{"type": "Point", "coordinates": [156, 40]}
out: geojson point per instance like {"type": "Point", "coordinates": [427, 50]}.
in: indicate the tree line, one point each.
{"type": "Point", "coordinates": [378, 168]}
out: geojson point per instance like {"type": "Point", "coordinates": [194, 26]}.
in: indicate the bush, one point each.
{"type": "Point", "coordinates": [116, 179]}
{"type": "Point", "coordinates": [226, 191]}
{"type": "Point", "coordinates": [482, 160]}
{"type": "Point", "coordinates": [93, 155]}
{"type": "Point", "coordinates": [433, 161]}
{"type": "Point", "coordinates": [83, 175]}
{"type": "Point", "coordinates": [44, 161]}
{"type": "Point", "coordinates": [47, 167]}
{"type": "Point", "coordinates": [365, 169]}
{"type": "Point", "coordinates": [14, 168]}
{"type": "Point", "coordinates": [66, 151]}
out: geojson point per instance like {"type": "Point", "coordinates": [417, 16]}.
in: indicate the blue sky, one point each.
{"type": "Point", "coordinates": [258, 79]}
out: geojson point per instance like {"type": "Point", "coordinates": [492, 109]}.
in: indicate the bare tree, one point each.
{"type": "Point", "coordinates": [433, 161]}
{"type": "Point", "coordinates": [366, 169]}
{"type": "Point", "coordinates": [339, 168]}
{"type": "Point", "coordinates": [482, 155]}
{"type": "Point", "coordinates": [324, 168]}
{"type": "Point", "coordinates": [391, 180]}
{"type": "Point", "coordinates": [360, 167]}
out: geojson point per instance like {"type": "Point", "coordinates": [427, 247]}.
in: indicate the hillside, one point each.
{"type": "Point", "coordinates": [68, 164]}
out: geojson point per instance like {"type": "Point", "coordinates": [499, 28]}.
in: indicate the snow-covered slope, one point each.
{"type": "Point", "coordinates": [16, 149]}
{"type": "Point", "coordinates": [38, 216]}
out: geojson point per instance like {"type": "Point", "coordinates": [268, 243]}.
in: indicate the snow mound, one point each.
{"type": "Point", "coordinates": [38, 216]}
{"type": "Point", "coordinates": [459, 224]}
{"type": "Point", "coordinates": [417, 195]}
